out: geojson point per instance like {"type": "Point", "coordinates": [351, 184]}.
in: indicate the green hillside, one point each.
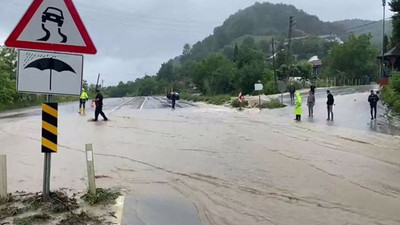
{"type": "Point", "coordinates": [262, 21]}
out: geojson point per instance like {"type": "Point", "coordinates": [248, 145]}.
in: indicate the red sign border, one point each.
{"type": "Point", "coordinates": [13, 42]}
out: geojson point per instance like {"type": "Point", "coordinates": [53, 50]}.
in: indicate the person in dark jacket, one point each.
{"type": "Point", "coordinates": [329, 104]}
{"type": "Point", "coordinates": [312, 89]}
{"type": "Point", "coordinates": [373, 100]}
{"type": "Point", "coordinates": [99, 106]}
{"type": "Point", "coordinates": [292, 90]}
{"type": "Point", "coordinates": [173, 96]}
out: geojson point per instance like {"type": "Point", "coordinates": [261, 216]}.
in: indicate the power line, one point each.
{"type": "Point", "coordinates": [367, 24]}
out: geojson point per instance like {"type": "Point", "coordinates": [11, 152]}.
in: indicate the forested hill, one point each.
{"type": "Point", "coordinates": [350, 24]}
{"type": "Point", "coordinates": [262, 20]}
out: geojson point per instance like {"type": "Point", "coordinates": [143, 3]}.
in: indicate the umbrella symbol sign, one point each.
{"type": "Point", "coordinates": [50, 64]}
{"type": "Point", "coordinates": [49, 72]}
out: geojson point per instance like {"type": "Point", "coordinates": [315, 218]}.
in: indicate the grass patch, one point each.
{"type": "Point", "coordinates": [35, 219]}
{"type": "Point", "coordinates": [80, 219]}
{"type": "Point", "coordinates": [211, 99]}
{"type": "Point", "coordinates": [236, 104]}
{"type": "Point", "coordinates": [273, 104]}
{"type": "Point", "coordinates": [58, 202]}
{"type": "Point", "coordinates": [103, 196]}
{"type": "Point", "coordinates": [35, 102]}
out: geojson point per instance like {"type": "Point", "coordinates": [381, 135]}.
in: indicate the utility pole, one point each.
{"type": "Point", "coordinates": [291, 25]}
{"type": "Point", "coordinates": [383, 40]}
{"type": "Point", "coordinates": [273, 63]}
{"type": "Point", "coordinates": [97, 83]}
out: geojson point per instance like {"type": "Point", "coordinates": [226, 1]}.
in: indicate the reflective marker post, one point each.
{"type": "Point", "coordinates": [90, 168]}
{"type": "Point", "coordinates": [3, 179]}
{"type": "Point", "coordinates": [48, 129]}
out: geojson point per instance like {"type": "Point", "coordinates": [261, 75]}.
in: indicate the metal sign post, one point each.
{"type": "Point", "coordinates": [90, 168]}
{"type": "Point", "coordinates": [47, 163]}
{"type": "Point", "coordinates": [49, 72]}
{"type": "Point", "coordinates": [258, 87]}
{"type": "Point", "coordinates": [282, 88]}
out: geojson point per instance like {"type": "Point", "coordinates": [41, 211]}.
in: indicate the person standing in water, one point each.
{"type": "Point", "coordinates": [373, 100]}
{"type": "Point", "coordinates": [329, 103]}
{"type": "Point", "coordinates": [99, 106]}
{"type": "Point", "coordinates": [82, 101]}
{"type": "Point", "coordinates": [298, 107]}
{"type": "Point", "coordinates": [310, 104]}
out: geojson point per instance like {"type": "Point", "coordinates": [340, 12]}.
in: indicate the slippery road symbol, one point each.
{"type": "Point", "coordinates": [54, 15]}
{"type": "Point", "coordinates": [50, 64]}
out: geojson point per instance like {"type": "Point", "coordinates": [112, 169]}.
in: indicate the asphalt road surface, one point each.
{"type": "Point", "coordinates": [211, 165]}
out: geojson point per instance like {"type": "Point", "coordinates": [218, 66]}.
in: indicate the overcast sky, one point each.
{"type": "Point", "coordinates": [133, 38]}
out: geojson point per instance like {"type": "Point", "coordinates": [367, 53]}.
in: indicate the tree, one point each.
{"type": "Point", "coordinates": [235, 52]}
{"type": "Point", "coordinates": [8, 94]}
{"type": "Point", "coordinates": [250, 74]}
{"type": "Point", "coordinates": [386, 43]}
{"type": "Point", "coordinates": [186, 49]}
{"type": "Point", "coordinates": [395, 7]}
{"type": "Point", "coordinates": [283, 57]}
{"type": "Point", "coordinates": [166, 72]}
{"type": "Point", "coordinates": [304, 70]}
{"type": "Point", "coordinates": [356, 57]}
{"type": "Point", "coordinates": [247, 55]}
{"type": "Point", "coordinates": [249, 42]}
{"type": "Point", "coordinates": [215, 75]}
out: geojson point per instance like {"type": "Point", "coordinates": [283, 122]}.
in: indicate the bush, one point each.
{"type": "Point", "coordinates": [396, 106]}
{"type": "Point", "coordinates": [297, 84]}
{"type": "Point", "coordinates": [270, 88]}
{"type": "Point", "coordinates": [103, 196]}
{"type": "Point", "coordinates": [273, 104]}
{"type": "Point", "coordinates": [391, 93]}
{"type": "Point", "coordinates": [236, 104]}
{"type": "Point", "coordinates": [216, 99]}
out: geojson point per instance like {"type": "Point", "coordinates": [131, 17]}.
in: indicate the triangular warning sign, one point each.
{"type": "Point", "coordinates": [52, 25]}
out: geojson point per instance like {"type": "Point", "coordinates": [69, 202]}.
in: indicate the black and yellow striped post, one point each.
{"type": "Point", "coordinates": [49, 127]}
{"type": "Point", "coordinates": [49, 139]}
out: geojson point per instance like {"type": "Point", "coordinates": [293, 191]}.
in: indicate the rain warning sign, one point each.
{"type": "Point", "coordinates": [49, 73]}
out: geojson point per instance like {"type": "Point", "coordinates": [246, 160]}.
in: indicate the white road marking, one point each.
{"type": "Point", "coordinates": [122, 104]}
{"type": "Point", "coordinates": [145, 99]}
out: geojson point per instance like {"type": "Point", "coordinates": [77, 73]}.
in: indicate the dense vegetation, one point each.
{"type": "Point", "coordinates": [391, 93]}
{"type": "Point", "coordinates": [9, 98]}
{"type": "Point", "coordinates": [395, 7]}
{"type": "Point", "coordinates": [354, 59]}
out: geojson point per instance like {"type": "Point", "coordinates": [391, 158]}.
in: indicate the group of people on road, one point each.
{"type": "Point", "coordinates": [373, 100]}
{"type": "Point", "coordinates": [97, 101]}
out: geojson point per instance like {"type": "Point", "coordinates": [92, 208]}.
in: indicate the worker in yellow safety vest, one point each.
{"type": "Point", "coordinates": [82, 101]}
{"type": "Point", "coordinates": [298, 110]}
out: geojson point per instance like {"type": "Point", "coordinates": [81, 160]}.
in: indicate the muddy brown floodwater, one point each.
{"type": "Point", "coordinates": [234, 167]}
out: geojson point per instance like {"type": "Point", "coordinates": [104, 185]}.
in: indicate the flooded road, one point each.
{"type": "Point", "coordinates": [351, 110]}
{"type": "Point", "coordinates": [226, 166]}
